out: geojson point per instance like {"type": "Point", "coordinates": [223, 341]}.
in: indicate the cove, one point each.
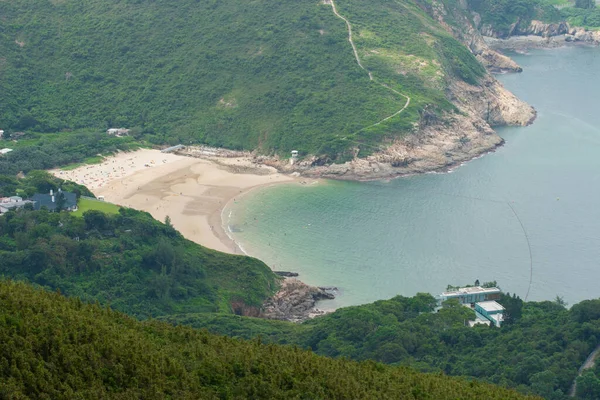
{"type": "Point", "coordinates": [379, 239]}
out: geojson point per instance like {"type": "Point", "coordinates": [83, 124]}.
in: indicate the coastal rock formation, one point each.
{"type": "Point", "coordinates": [435, 145]}
{"type": "Point", "coordinates": [491, 102]}
{"type": "Point", "coordinates": [555, 34]}
{"type": "Point", "coordinates": [583, 35]}
{"type": "Point", "coordinates": [496, 62]}
{"type": "Point", "coordinates": [536, 28]}
{"type": "Point", "coordinates": [295, 301]}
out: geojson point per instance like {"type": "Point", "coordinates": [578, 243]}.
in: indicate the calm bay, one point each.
{"type": "Point", "coordinates": [540, 191]}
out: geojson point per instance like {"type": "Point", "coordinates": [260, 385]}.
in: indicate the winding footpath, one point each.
{"type": "Point", "coordinates": [589, 363]}
{"type": "Point", "coordinates": [337, 14]}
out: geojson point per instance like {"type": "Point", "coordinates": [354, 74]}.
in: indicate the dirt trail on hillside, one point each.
{"type": "Point", "coordinates": [589, 363]}
{"type": "Point", "coordinates": [354, 49]}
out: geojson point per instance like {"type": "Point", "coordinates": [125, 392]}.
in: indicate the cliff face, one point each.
{"type": "Point", "coordinates": [464, 28]}
{"type": "Point", "coordinates": [583, 35]}
{"type": "Point", "coordinates": [536, 28]}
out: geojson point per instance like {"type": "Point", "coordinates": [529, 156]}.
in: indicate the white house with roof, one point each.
{"type": "Point", "coordinates": [491, 310]}
{"type": "Point", "coordinates": [12, 203]}
{"type": "Point", "coordinates": [471, 294]}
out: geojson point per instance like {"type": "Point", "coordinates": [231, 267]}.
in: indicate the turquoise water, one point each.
{"type": "Point", "coordinates": [418, 234]}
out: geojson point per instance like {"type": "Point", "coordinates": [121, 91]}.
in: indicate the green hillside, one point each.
{"type": "Point", "coordinates": [130, 261]}
{"type": "Point", "coordinates": [275, 75]}
{"type": "Point", "coordinates": [38, 182]}
{"type": "Point", "coordinates": [537, 351]}
{"type": "Point", "coordinates": [146, 269]}
{"type": "Point", "coordinates": [59, 348]}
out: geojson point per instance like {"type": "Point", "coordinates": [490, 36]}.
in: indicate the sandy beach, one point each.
{"type": "Point", "coordinates": [191, 191]}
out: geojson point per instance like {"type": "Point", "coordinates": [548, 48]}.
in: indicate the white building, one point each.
{"type": "Point", "coordinates": [492, 311]}
{"type": "Point", "coordinates": [471, 295]}
{"type": "Point", "coordinates": [118, 132]}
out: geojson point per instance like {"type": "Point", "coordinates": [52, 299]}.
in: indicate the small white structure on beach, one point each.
{"type": "Point", "coordinates": [294, 157]}
{"type": "Point", "coordinates": [118, 132]}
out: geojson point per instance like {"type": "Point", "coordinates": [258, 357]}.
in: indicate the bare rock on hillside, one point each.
{"type": "Point", "coordinates": [295, 301]}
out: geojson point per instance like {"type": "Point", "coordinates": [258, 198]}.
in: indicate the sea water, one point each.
{"type": "Point", "coordinates": [526, 216]}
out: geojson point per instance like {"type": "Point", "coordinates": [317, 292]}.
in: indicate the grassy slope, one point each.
{"type": "Point", "coordinates": [84, 205]}
{"type": "Point", "coordinates": [277, 75]}
{"type": "Point", "coordinates": [59, 348]}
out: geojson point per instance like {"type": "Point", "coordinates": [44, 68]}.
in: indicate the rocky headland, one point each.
{"type": "Point", "coordinates": [295, 301]}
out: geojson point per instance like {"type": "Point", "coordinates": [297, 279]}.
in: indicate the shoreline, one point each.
{"type": "Point", "coordinates": [193, 192]}
{"type": "Point", "coordinates": [219, 219]}
{"type": "Point", "coordinates": [524, 43]}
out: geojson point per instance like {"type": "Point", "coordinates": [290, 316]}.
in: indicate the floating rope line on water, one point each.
{"type": "Point", "coordinates": [528, 246]}
{"type": "Point", "coordinates": [520, 223]}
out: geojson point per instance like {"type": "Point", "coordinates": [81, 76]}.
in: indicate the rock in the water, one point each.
{"type": "Point", "coordinates": [286, 273]}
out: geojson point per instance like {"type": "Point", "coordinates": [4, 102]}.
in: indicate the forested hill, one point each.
{"type": "Point", "coordinates": [59, 348]}
{"type": "Point", "coordinates": [126, 259]}
{"type": "Point", "coordinates": [538, 350]}
{"type": "Point", "coordinates": [275, 75]}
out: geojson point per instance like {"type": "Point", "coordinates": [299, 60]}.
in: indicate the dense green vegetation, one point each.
{"type": "Point", "coordinates": [274, 75]}
{"type": "Point", "coordinates": [38, 182]}
{"type": "Point", "coordinates": [585, 17]}
{"type": "Point", "coordinates": [53, 150]}
{"type": "Point", "coordinates": [130, 261]}
{"type": "Point", "coordinates": [147, 269]}
{"type": "Point", "coordinates": [501, 14]}
{"type": "Point", "coordinates": [538, 351]}
{"type": "Point", "coordinates": [59, 348]}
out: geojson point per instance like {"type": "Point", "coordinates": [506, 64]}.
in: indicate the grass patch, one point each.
{"type": "Point", "coordinates": [87, 161]}
{"type": "Point", "coordinates": [89, 204]}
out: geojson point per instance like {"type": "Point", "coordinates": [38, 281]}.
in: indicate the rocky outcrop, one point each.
{"type": "Point", "coordinates": [435, 145]}
{"type": "Point", "coordinates": [492, 102]}
{"type": "Point", "coordinates": [583, 35]}
{"type": "Point", "coordinates": [287, 274]}
{"type": "Point", "coordinates": [561, 31]}
{"type": "Point", "coordinates": [539, 28]}
{"type": "Point", "coordinates": [535, 28]}
{"type": "Point", "coordinates": [496, 62]}
{"type": "Point", "coordinates": [295, 301]}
